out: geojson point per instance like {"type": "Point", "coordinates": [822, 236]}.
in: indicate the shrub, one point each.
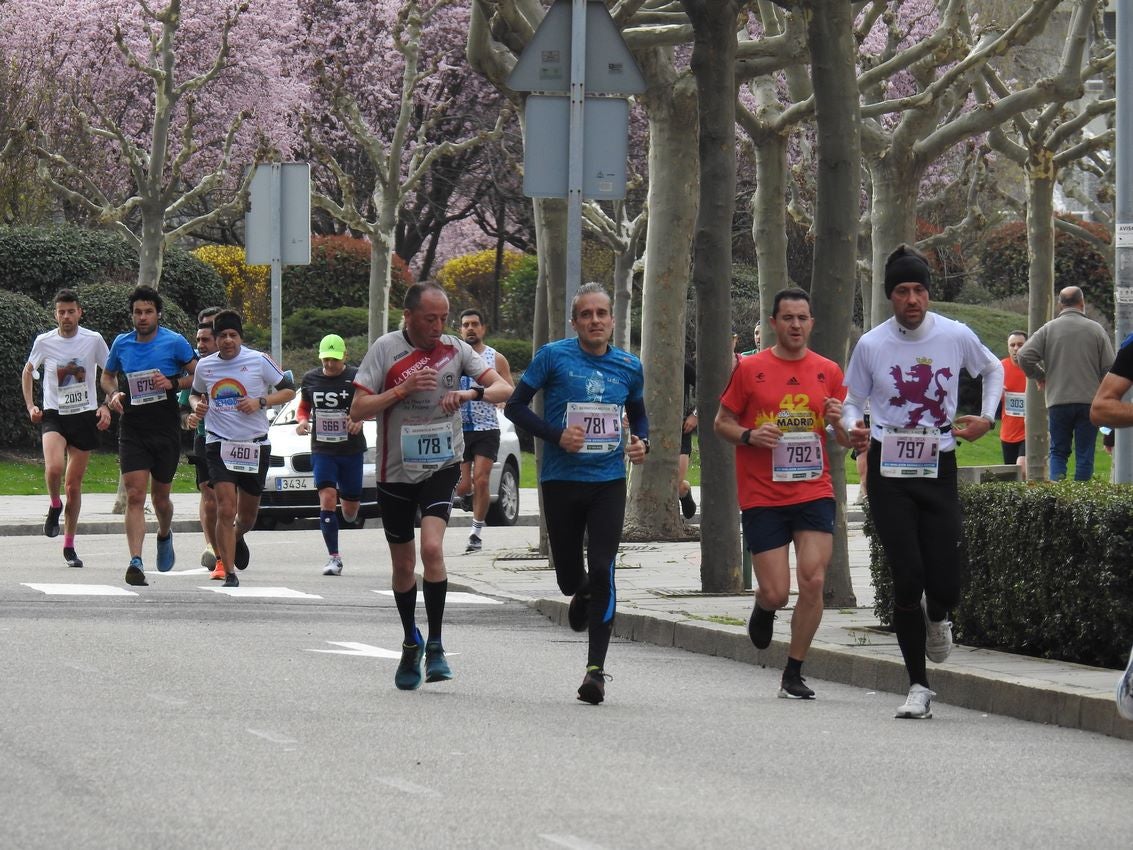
{"type": "Point", "coordinates": [192, 283]}
{"type": "Point", "coordinates": [247, 288]}
{"type": "Point", "coordinates": [470, 278]}
{"type": "Point", "coordinates": [39, 261]}
{"type": "Point", "coordinates": [305, 327]}
{"type": "Point", "coordinates": [106, 310]}
{"type": "Point", "coordinates": [517, 352]}
{"type": "Point", "coordinates": [339, 276]}
{"type": "Point", "coordinates": [517, 312]}
{"type": "Point", "coordinates": [24, 319]}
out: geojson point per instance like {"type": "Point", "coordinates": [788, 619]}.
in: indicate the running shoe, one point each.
{"type": "Point", "coordinates": [1124, 692]}
{"type": "Point", "coordinates": [51, 523]}
{"type": "Point", "coordinates": [918, 704]}
{"type": "Point", "coordinates": [333, 566]}
{"type": "Point", "coordinates": [760, 627]}
{"type": "Point", "coordinates": [466, 502]}
{"type": "Point", "coordinates": [230, 580]}
{"type": "Point", "coordinates": [436, 665]}
{"type": "Point", "coordinates": [135, 575]}
{"type": "Point", "coordinates": [71, 557]}
{"type": "Point", "coordinates": [166, 558]}
{"type": "Point", "coordinates": [577, 612]}
{"type": "Point", "coordinates": [938, 637]}
{"type": "Point", "coordinates": [408, 675]}
{"type": "Point", "coordinates": [208, 558]}
{"type": "Point", "coordinates": [218, 572]}
{"type": "Point", "coordinates": [243, 556]}
{"type": "Point", "coordinates": [688, 505]}
{"type": "Point", "coordinates": [593, 687]}
{"type": "Point", "coordinates": [475, 544]}
{"type": "Point", "coordinates": [794, 687]}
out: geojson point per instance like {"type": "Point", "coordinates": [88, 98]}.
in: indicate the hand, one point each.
{"type": "Point", "coordinates": [970, 428]}
{"type": "Point", "coordinates": [353, 428]}
{"type": "Point", "coordinates": [35, 414]}
{"type": "Point", "coordinates": [635, 450]}
{"type": "Point", "coordinates": [103, 416]}
{"type": "Point", "coordinates": [423, 380]}
{"type": "Point", "coordinates": [114, 402]}
{"type": "Point", "coordinates": [766, 436]}
{"type": "Point", "coordinates": [304, 428]}
{"type": "Point", "coordinates": [690, 423]}
{"type": "Point", "coordinates": [192, 421]}
{"type": "Point", "coordinates": [161, 382]}
{"type": "Point", "coordinates": [452, 400]}
{"type": "Point", "coordinates": [859, 436]}
{"type": "Point", "coordinates": [248, 405]}
{"type": "Point", "coordinates": [202, 407]}
{"type": "Point", "coordinates": [832, 412]}
{"type": "Point", "coordinates": [573, 439]}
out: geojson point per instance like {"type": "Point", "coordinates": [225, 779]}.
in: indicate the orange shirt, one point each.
{"type": "Point", "coordinates": [792, 394]}
{"type": "Point", "coordinates": [1012, 428]}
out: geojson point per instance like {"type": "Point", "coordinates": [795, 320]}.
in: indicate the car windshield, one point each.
{"type": "Point", "coordinates": [288, 415]}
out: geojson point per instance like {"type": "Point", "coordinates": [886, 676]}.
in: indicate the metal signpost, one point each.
{"type": "Point", "coordinates": [578, 35]}
{"type": "Point", "coordinates": [1123, 235]}
{"type": "Point", "coordinates": [277, 230]}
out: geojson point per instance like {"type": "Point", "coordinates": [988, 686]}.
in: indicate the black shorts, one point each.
{"type": "Point", "coordinates": [80, 430]}
{"type": "Point", "coordinates": [251, 483]}
{"type": "Point", "coordinates": [158, 452]}
{"type": "Point", "coordinates": [199, 460]}
{"type": "Point", "coordinates": [686, 441]}
{"type": "Point", "coordinates": [400, 502]}
{"type": "Point", "coordinates": [774, 527]}
{"type": "Point", "coordinates": [482, 444]}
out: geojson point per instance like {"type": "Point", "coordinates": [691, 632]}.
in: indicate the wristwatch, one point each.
{"type": "Point", "coordinates": [645, 442]}
{"type": "Point", "coordinates": [263, 403]}
{"type": "Point", "coordinates": [479, 393]}
{"type": "Point", "coordinates": [745, 436]}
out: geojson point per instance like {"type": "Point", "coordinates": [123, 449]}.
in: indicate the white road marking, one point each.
{"type": "Point", "coordinates": [361, 649]}
{"type": "Point", "coordinates": [261, 592]}
{"type": "Point", "coordinates": [571, 841]}
{"type": "Point", "coordinates": [274, 737]}
{"type": "Point", "coordinates": [192, 571]}
{"type": "Point", "coordinates": [458, 596]}
{"type": "Point", "coordinates": [405, 785]}
{"type": "Point", "coordinates": [80, 589]}
{"type": "Point", "coordinates": [162, 698]}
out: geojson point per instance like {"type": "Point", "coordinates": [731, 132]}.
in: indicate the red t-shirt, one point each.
{"type": "Point", "coordinates": [1013, 427]}
{"type": "Point", "coordinates": [791, 394]}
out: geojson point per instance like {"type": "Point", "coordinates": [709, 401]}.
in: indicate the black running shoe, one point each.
{"type": "Point", "coordinates": [51, 523]}
{"type": "Point", "coordinates": [576, 613]}
{"type": "Point", "coordinates": [688, 505]}
{"type": "Point", "coordinates": [230, 580]}
{"type": "Point", "coordinates": [593, 687]}
{"type": "Point", "coordinates": [72, 558]}
{"type": "Point", "coordinates": [135, 575]}
{"type": "Point", "coordinates": [760, 627]}
{"type": "Point", "coordinates": [794, 687]}
{"type": "Point", "coordinates": [243, 556]}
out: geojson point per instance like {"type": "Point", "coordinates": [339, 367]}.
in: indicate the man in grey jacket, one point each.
{"type": "Point", "coordinates": [1071, 354]}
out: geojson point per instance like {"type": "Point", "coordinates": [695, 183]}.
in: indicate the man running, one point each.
{"type": "Point", "coordinates": [155, 364]}
{"type": "Point", "coordinates": [908, 368]}
{"type": "Point", "coordinates": [409, 380]}
{"type": "Point", "coordinates": [337, 443]}
{"type": "Point", "coordinates": [190, 421]}
{"type": "Point", "coordinates": [776, 409]}
{"type": "Point", "coordinates": [71, 416]}
{"type": "Point", "coordinates": [481, 429]}
{"type": "Point", "coordinates": [232, 390]}
{"type": "Point", "coordinates": [588, 384]}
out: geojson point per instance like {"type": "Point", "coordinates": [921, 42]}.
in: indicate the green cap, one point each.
{"type": "Point", "coordinates": [332, 346]}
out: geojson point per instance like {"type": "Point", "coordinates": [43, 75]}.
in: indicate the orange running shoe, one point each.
{"type": "Point", "coordinates": [218, 573]}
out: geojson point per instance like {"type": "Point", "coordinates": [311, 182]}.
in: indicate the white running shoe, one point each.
{"type": "Point", "coordinates": [1124, 692]}
{"type": "Point", "coordinates": [333, 566]}
{"type": "Point", "coordinates": [938, 637]}
{"type": "Point", "coordinates": [918, 704]}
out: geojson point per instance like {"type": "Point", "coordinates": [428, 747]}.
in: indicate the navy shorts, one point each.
{"type": "Point", "coordinates": [400, 502]}
{"type": "Point", "coordinates": [343, 472]}
{"type": "Point", "coordinates": [774, 527]}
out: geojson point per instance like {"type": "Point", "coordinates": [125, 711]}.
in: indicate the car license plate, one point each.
{"type": "Point", "coordinates": [301, 483]}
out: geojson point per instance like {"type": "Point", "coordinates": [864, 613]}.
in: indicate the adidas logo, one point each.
{"type": "Point", "coordinates": [794, 382]}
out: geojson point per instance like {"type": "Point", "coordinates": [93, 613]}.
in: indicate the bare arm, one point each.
{"type": "Point", "coordinates": [1108, 407]}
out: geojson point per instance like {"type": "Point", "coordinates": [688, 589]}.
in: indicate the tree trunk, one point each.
{"type": "Point", "coordinates": [713, 66]}
{"type": "Point", "coordinates": [829, 33]}
{"type": "Point", "coordinates": [893, 213]}
{"type": "Point", "coordinates": [623, 295]}
{"type": "Point", "coordinates": [151, 250]}
{"type": "Point", "coordinates": [1040, 283]}
{"type": "Point", "coordinates": [381, 260]}
{"type": "Point", "coordinates": [769, 224]}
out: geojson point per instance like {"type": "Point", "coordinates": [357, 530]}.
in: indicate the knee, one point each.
{"type": "Point", "coordinates": [772, 599]}
{"type": "Point", "coordinates": [810, 586]}
{"type": "Point", "coordinates": [432, 553]}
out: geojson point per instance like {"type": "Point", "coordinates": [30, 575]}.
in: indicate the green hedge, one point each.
{"type": "Point", "coordinates": [339, 276]}
{"type": "Point", "coordinates": [306, 326]}
{"type": "Point", "coordinates": [39, 261]}
{"type": "Point", "coordinates": [24, 319]}
{"type": "Point", "coordinates": [1048, 571]}
{"type": "Point", "coordinates": [517, 351]}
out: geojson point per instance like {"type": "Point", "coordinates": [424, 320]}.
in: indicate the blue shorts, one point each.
{"type": "Point", "coordinates": [774, 527]}
{"type": "Point", "coordinates": [341, 471]}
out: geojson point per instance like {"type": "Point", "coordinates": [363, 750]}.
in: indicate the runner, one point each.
{"type": "Point", "coordinates": [776, 409]}
{"type": "Point", "coordinates": [409, 380]}
{"type": "Point", "coordinates": [71, 417]}
{"type": "Point", "coordinates": [206, 509]}
{"type": "Point", "coordinates": [155, 363]}
{"type": "Point", "coordinates": [588, 385]}
{"type": "Point", "coordinates": [337, 443]}
{"type": "Point", "coordinates": [909, 370]}
{"type": "Point", "coordinates": [481, 429]}
{"type": "Point", "coordinates": [232, 390]}
{"type": "Point", "coordinates": [1013, 430]}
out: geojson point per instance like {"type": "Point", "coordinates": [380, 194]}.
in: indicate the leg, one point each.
{"type": "Point", "coordinates": [1060, 423]}
{"type": "Point", "coordinates": [162, 505]}
{"type": "Point", "coordinates": [247, 509]}
{"type": "Point", "coordinates": [77, 462]}
{"type": "Point", "coordinates": [812, 553]}
{"type": "Point", "coordinates": [328, 519]}
{"type": "Point", "coordinates": [481, 478]}
{"type": "Point", "coordinates": [350, 485]}
{"type": "Point", "coordinates": [136, 484]}
{"type": "Point", "coordinates": [566, 526]}
{"type": "Point", "coordinates": [1085, 443]}
{"type": "Point", "coordinates": [464, 486]}
{"type": "Point", "coordinates": [224, 533]}
{"type": "Point", "coordinates": [683, 487]}
{"type": "Point", "coordinates": [54, 458]}
{"type": "Point", "coordinates": [604, 519]}
{"type": "Point", "coordinates": [207, 513]}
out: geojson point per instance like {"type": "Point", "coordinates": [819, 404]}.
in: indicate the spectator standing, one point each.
{"type": "Point", "coordinates": [1012, 429]}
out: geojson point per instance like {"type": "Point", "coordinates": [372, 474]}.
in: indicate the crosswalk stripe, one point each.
{"type": "Point", "coordinates": [79, 589]}
{"type": "Point", "coordinates": [458, 597]}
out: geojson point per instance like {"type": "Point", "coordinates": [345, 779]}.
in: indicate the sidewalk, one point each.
{"type": "Point", "coordinates": [659, 602]}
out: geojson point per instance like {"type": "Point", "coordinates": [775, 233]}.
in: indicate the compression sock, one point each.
{"type": "Point", "coordinates": [56, 502]}
{"type": "Point", "coordinates": [794, 666]}
{"type": "Point", "coordinates": [68, 541]}
{"type": "Point", "coordinates": [407, 608]}
{"type": "Point", "coordinates": [435, 593]}
{"type": "Point", "coordinates": [328, 525]}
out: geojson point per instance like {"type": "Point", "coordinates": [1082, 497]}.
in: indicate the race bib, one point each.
{"type": "Point", "coordinates": [910, 452]}
{"type": "Point", "coordinates": [1015, 404]}
{"type": "Point", "coordinates": [427, 447]}
{"type": "Point", "coordinates": [601, 425]}
{"type": "Point", "coordinates": [240, 457]}
{"type": "Point", "coordinates": [330, 426]}
{"type": "Point", "coordinates": [142, 387]}
{"type": "Point", "coordinates": [74, 399]}
{"type": "Point", "coordinates": [797, 457]}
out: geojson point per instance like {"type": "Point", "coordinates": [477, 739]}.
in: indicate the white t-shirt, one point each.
{"type": "Point", "coordinates": [69, 371]}
{"type": "Point", "coordinates": [250, 374]}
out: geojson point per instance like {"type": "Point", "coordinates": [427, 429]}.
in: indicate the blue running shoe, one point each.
{"type": "Point", "coordinates": [135, 575]}
{"type": "Point", "coordinates": [408, 675]}
{"type": "Point", "coordinates": [165, 556]}
{"type": "Point", "coordinates": [436, 665]}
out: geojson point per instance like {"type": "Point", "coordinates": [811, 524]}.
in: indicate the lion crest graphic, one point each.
{"type": "Point", "coordinates": [923, 391]}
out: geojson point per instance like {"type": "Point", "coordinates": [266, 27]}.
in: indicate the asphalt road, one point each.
{"type": "Point", "coordinates": [183, 716]}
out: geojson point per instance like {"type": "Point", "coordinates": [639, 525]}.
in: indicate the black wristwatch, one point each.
{"type": "Point", "coordinates": [263, 403]}
{"type": "Point", "coordinates": [479, 393]}
{"type": "Point", "coordinates": [645, 442]}
{"type": "Point", "coordinates": [745, 436]}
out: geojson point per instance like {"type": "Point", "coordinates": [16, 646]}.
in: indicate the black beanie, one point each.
{"type": "Point", "coordinates": [227, 320]}
{"type": "Point", "coordinates": [906, 266]}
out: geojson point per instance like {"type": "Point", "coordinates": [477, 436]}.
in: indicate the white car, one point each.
{"type": "Point", "coordinates": [289, 491]}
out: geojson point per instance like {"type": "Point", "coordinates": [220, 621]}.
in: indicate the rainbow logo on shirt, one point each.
{"type": "Point", "coordinates": [227, 393]}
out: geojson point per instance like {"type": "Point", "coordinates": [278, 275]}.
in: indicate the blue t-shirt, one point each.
{"type": "Point", "coordinates": [168, 353]}
{"type": "Point", "coordinates": [566, 373]}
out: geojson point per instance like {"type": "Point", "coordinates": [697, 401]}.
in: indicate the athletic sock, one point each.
{"type": "Point", "coordinates": [435, 593]}
{"type": "Point", "coordinates": [908, 623]}
{"type": "Point", "coordinates": [477, 528]}
{"type": "Point", "coordinates": [56, 502]}
{"type": "Point", "coordinates": [328, 524]}
{"type": "Point", "coordinates": [407, 608]}
{"type": "Point", "coordinates": [794, 666]}
{"type": "Point", "coordinates": [68, 541]}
